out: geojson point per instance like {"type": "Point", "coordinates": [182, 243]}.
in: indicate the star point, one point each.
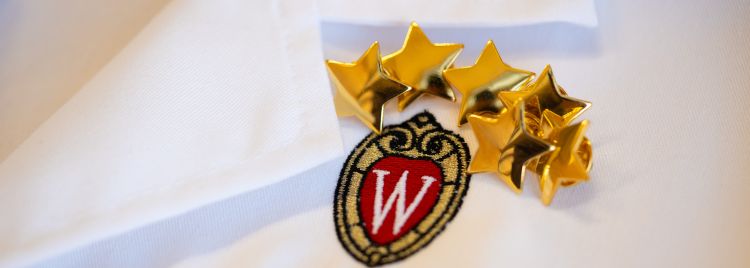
{"type": "Point", "coordinates": [549, 95]}
{"type": "Point", "coordinates": [505, 145]}
{"type": "Point", "coordinates": [520, 150]}
{"type": "Point", "coordinates": [420, 64]}
{"type": "Point", "coordinates": [564, 165]}
{"type": "Point", "coordinates": [363, 87]}
{"type": "Point", "coordinates": [492, 132]}
{"type": "Point", "coordinates": [481, 83]}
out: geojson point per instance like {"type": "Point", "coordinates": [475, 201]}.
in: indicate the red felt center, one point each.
{"type": "Point", "coordinates": [410, 200]}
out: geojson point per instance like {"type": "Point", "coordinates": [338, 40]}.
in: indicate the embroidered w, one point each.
{"type": "Point", "coordinates": [399, 196]}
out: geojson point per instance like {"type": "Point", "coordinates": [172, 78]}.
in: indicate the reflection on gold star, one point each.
{"type": "Point", "coordinates": [505, 145]}
{"type": "Point", "coordinates": [480, 84]}
{"type": "Point", "coordinates": [547, 95]}
{"type": "Point", "coordinates": [363, 87]}
{"type": "Point", "coordinates": [420, 64]}
{"type": "Point", "coordinates": [565, 165]}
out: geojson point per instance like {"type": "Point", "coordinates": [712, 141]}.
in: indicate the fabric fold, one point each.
{"type": "Point", "coordinates": [208, 101]}
{"type": "Point", "coordinates": [455, 13]}
{"type": "Point", "coordinates": [50, 49]}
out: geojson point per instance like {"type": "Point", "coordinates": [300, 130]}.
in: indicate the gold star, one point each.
{"type": "Point", "coordinates": [420, 64]}
{"type": "Point", "coordinates": [505, 145]}
{"type": "Point", "coordinates": [492, 132]}
{"type": "Point", "coordinates": [551, 123]}
{"type": "Point", "coordinates": [480, 84]}
{"type": "Point", "coordinates": [564, 165]}
{"type": "Point", "coordinates": [550, 128]}
{"type": "Point", "coordinates": [548, 95]}
{"type": "Point", "coordinates": [363, 87]}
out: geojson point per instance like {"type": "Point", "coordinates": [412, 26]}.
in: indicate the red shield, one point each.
{"type": "Point", "coordinates": [396, 194]}
{"type": "Point", "coordinates": [399, 189]}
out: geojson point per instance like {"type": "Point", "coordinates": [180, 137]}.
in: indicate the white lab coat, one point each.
{"type": "Point", "coordinates": [209, 140]}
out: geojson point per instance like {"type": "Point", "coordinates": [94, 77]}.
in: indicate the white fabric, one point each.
{"type": "Point", "coordinates": [669, 186]}
{"type": "Point", "coordinates": [668, 189]}
{"type": "Point", "coordinates": [50, 48]}
{"type": "Point", "coordinates": [452, 13]}
{"type": "Point", "coordinates": [210, 100]}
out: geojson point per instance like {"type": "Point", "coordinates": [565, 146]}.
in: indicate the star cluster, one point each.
{"type": "Point", "coordinates": [521, 121]}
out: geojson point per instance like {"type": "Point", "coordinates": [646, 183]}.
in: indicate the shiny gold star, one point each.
{"type": "Point", "coordinates": [505, 145]}
{"type": "Point", "coordinates": [493, 133]}
{"type": "Point", "coordinates": [420, 64]}
{"type": "Point", "coordinates": [363, 87]}
{"type": "Point", "coordinates": [551, 125]}
{"type": "Point", "coordinates": [547, 95]}
{"type": "Point", "coordinates": [480, 84]}
{"type": "Point", "coordinates": [564, 165]}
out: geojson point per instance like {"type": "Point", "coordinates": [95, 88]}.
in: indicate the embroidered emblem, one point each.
{"type": "Point", "coordinates": [398, 190]}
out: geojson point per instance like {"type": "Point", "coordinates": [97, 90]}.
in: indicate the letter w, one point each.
{"type": "Point", "coordinates": [399, 196]}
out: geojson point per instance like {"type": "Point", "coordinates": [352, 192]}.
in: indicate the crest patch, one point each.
{"type": "Point", "coordinates": [398, 190]}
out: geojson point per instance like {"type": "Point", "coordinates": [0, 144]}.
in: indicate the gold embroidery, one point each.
{"type": "Point", "coordinates": [421, 138]}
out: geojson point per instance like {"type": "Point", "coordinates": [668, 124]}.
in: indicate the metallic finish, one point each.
{"type": "Point", "coordinates": [505, 145]}
{"type": "Point", "coordinates": [551, 124]}
{"type": "Point", "coordinates": [492, 133]}
{"type": "Point", "coordinates": [519, 122]}
{"type": "Point", "coordinates": [480, 84]}
{"type": "Point", "coordinates": [543, 139]}
{"type": "Point", "coordinates": [564, 164]}
{"type": "Point", "coordinates": [363, 87]}
{"type": "Point", "coordinates": [546, 94]}
{"type": "Point", "coordinates": [420, 64]}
